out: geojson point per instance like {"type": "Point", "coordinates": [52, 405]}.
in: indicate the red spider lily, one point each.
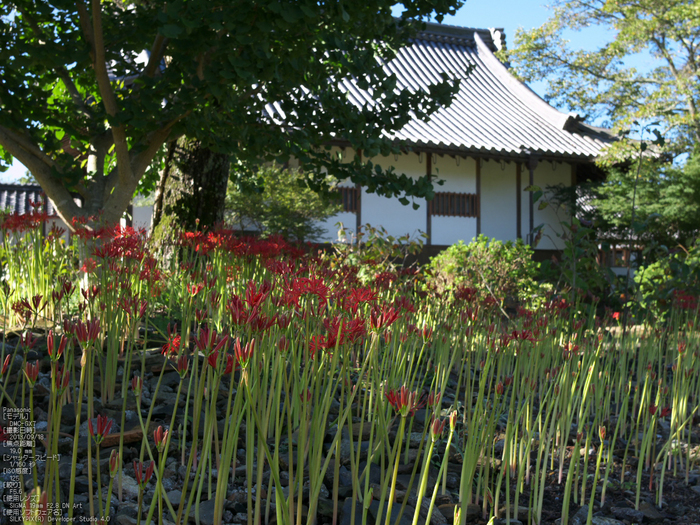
{"type": "Point", "coordinates": [403, 303]}
{"type": "Point", "coordinates": [213, 358]}
{"type": "Point", "coordinates": [283, 320]}
{"type": "Point", "coordinates": [230, 364]}
{"type": "Point", "coordinates": [6, 363]}
{"type": "Point", "coordinates": [306, 396]}
{"type": "Point", "coordinates": [383, 318]}
{"type": "Point", "coordinates": [433, 400]}
{"type": "Point", "coordinates": [358, 296]}
{"type": "Point", "coordinates": [194, 289]}
{"type": "Point", "coordinates": [201, 314]}
{"type": "Point", "coordinates": [652, 409]}
{"type": "Point", "coordinates": [36, 505]}
{"type": "Point", "coordinates": [133, 307]}
{"type": "Point", "coordinates": [142, 478]}
{"type": "Point", "coordinates": [321, 342]}
{"type": "Point", "coordinates": [283, 344]}
{"type": "Point", "coordinates": [243, 354]}
{"type": "Point", "coordinates": [237, 311]}
{"type": "Point", "coordinates": [113, 463]}
{"type": "Point", "coordinates": [89, 265]}
{"type": "Point", "coordinates": [405, 402]}
{"type": "Point", "coordinates": [182, 365]}
{"type": "Point", "coordinates": [500, 389]}
{"type": "Point", "coordinates": [160, 437]}
{"type": "Point", "coordinates": [351, 331]}
{"type": "Point", "coordinates": [172, 346]}
{"type": "Point", "coordinates": [28, 341]}
{"type": "Point", "coordinates": [665, 411]}
{"type": "Point", "coordinates": [255, 296]}
{"type": "Point", "coordinates": [436, 428]}
{"type": "Point", "coordinates": [601, 432]}
{"type": "Point", "coordinates": [383, 280]}
{"type": "Point", "coordinates": [31, 371]}
{"type": "Point", "coordinates": [87, 333]}
{"type": "Point", "coordinates": [304, 286]}
{"type": "Point", "coordinates": [137, 387]}
{"type": "Point", "coordinates": [55, 353]}
{"type": "Point", "coordinates": [208, 341]}
{"type": "Point", "coordinates": [36, 304]}
{"type": "Point", "coordinates": [104, 426]}
{"type": "Point", "coordinates": [453, 420]}
{"type": "Point", "coordinates": [62, 376]}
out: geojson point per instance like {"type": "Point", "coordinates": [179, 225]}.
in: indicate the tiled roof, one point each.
{"type": "Point", "coordinates": [17, 198]}
{"type": "Point", "coordinates": [493, 114]}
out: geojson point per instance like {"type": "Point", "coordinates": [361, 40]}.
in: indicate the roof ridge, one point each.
{"type": "Point", "coordinates": [521, 90]}
{"type": "Point", "coordinates": [494, 38]}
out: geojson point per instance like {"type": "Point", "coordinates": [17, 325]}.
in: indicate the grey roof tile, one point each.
{"type": "Point", "coordinates": [493, 112]}
{"type": "Point", "coordinates": [17, 198]}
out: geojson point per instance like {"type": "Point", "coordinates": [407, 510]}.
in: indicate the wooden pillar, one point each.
{"type": "Point", "coordinates": [531, 166]}
{"type": "Point", "coordinates": [518, 200]}
{"type": "Point", "coordinates": [428, 218]}
{"type": "Point", "coordinates": [358, 210]}
{"type": "Point", "coordinates": [478, 197]}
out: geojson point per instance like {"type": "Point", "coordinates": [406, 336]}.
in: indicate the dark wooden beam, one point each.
{"type": "Point", "coordinates": [478, 196]}
{"type": "Point", "coordinates": [428, 219]}
{"type": "Point", "coordinates": [518, 200]}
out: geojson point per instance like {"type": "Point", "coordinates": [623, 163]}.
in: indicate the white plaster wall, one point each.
{"type": "Point", "coordinates": [396, 218]}
{"type": "Point", "coordinates": [450, 230]}
{"type": "Point", "coordinates": [142, 217]}
{"type": "Point", "coordinates": [457, 178]}
{"type": "Point", "coordinates": [349, 223]}
{"type": "Point", "coordinates": [546, 174]}
{"type": "Point", "coordinates": [498, 201]}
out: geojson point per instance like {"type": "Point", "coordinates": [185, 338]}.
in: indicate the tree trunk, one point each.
{"type": "Point", "coordinates": [192, 189]}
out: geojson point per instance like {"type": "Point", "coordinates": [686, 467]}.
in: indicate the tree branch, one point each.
{"type": "Point", "coordinates": [157, 51]}
{"type": "Point", "coordinates": [108, 99]}
{"type": "Point", "coordinates": [60, 70]}
{"type": "Point", "coordinates": [41, 167]}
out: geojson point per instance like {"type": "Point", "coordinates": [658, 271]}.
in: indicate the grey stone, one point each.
{"type": "Point", "coordinates": [206, 512]}
{"type": "Point", "coordinates": [650, 512]}
{"type": "Point", "coordinates": [345, 515]}
{"type": "Point", "coordinates": [130, 488]}
{"type": "Point", "coordinates": [123, 519]}
{"type": "Point", "coordinates": [405, 518]}
{"type": "Point", "coordinates": [622, 513]}
{"type": "Point", "coordinates": [174, 497]}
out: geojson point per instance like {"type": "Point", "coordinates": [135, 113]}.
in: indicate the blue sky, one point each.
{"type": "Point", "coordinates": [507, 14]}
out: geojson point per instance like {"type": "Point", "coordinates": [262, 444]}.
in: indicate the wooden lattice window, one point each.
{"type": "Point", "coordinates": [349, 198]}
{"type": "Point", "coordinates": [452, 204]}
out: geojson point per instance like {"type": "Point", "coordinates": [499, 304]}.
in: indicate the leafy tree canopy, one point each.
{"type": "Point", "coordinates": [285, 206]}
{"type": "Point", "coordinates": [599, 83]}
{"type": "Point", "coordinates": [91, 91]}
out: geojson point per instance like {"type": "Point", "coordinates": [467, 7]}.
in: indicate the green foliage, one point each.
{"type": "Point", "coordinates": [678, 271]}
{"type": "Point", "coordinates": [283, 205]}
{"type": "Point", "coordinates": [578, 271]}
{"type": "Point", "coordinates": [491, 267]}
{"type": "Point", "coordinates": [81, 109]}
{"type": "Point", "coordinates": [600, 83]}
{"type": "Point", "coordinates": [667, 207]}
{"type": "Point", "coordinates": [373, 250]}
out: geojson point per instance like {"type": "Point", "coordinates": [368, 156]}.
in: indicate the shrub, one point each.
{"type": "Point", "coordinates": [662, 282]}
{"type": "Point", "coordinates": [284, 205]}
{"type": "Point", "coordinates": [493, 268]}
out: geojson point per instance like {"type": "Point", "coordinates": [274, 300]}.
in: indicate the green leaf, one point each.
{"type": "Point", "coordinates": [171, 31]}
